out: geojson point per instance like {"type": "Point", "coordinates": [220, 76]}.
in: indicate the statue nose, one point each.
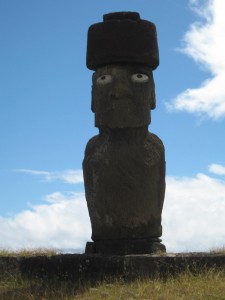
{"type": "Point", "coordinates": [120, 90]}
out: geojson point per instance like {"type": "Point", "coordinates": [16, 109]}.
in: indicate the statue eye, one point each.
{"type": "Point", "coordinates": [139, 77]}
{"type": "Point", "coordinates": [104, 79]}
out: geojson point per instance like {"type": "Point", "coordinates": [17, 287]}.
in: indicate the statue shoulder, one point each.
{"type": "Point", "coordinates": [92, 143]}
{"type": "Point", "coordinates": [154, 139]}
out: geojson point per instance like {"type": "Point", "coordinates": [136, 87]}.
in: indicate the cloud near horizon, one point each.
{"type": "Point", "coordinates": [67, 176]}
{"type": "Point", "coordinates": [62, 222]}
{"type": "Point", "coordinates": [204, 43]}
{"type": "Point", "coordinates": [217, 169]}
{"type": "Point", "coordinates": [193, 217]}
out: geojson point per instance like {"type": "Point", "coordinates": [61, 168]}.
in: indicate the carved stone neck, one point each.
{"type": "Point", "coordinates": [137, 134]}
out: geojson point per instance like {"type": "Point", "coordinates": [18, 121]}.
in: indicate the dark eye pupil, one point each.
{"type": "Point", "coordinates": [103, 78]}
{"type": "Point", "coordinates": [139, 76]}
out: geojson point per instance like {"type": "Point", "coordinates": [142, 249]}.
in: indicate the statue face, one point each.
{"type": "Point", "coordinates": [122, 96]}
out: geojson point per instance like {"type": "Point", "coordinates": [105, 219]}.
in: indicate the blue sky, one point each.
{"type": "Point", "coordinates": [46, 120]}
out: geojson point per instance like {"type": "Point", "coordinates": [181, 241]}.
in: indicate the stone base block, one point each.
{"type": "Point", "coordinates": [124, 247]}
{"type": "Point", "coordinates": [95, 267]}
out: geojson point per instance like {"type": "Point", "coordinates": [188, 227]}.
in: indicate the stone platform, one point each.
{"type": "Point", "coordinates": [95, 267]}
{"type": "Point", "coordinates": [125, 247]}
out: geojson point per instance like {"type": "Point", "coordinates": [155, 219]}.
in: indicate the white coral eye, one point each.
{"type": "Point", "coordinates": [104, 79]}
{"type": "Point", "coordinates": [139, 77]}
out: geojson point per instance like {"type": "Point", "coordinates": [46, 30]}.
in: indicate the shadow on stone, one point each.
{"type": "Point", "coordinates": [124, 247]}
{"type": "Point", "coordinates": [84, 268]}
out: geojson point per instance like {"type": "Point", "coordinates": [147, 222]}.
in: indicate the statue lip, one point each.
{"type": "Point", "coordinates": [119, 108]}
{"type": "Point", "coordinates": [129, 105]}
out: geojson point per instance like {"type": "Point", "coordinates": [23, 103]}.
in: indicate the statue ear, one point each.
{"type": "Point", "coordinates": [153, 100]}
{"type": "Point", "coordinates": [92, 106]}
{"type": "Point", "coordinates": [92, 94]}
{"type": "Point", "coordinates": [93, 103]}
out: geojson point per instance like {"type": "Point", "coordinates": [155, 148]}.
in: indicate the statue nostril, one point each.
{"type": "Point", "coordinates": [120, 91]}
{"type": "Point", "coordinates": [114, 95]}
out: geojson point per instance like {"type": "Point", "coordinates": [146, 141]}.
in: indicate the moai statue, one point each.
{"type": "Point", "coordinates": [124, 166]}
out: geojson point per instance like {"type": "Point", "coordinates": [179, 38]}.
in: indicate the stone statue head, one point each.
{"type": "Point", "coordinates": [123, 52]}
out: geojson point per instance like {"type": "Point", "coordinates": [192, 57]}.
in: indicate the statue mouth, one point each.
{"type": "Point", "coordinates": [127, 105]}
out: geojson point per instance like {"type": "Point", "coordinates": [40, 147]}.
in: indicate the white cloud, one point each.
{"type": "Point", "coordinates": [193, 218]}
{"type": "Point", "coordinates": [193, 215]}
{"type": "Point", "coordinates": [61, 223]}
{"type": "Point", "coordinates": [67, 176]}
{"type": "Point", "coordinates": [217, 169]}
{"type": "Point", "coordinates": [204, 43]}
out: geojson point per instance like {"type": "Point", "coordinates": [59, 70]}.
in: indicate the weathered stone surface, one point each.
{"type": "Point", "coordinates": [122, 96]}
{"type": "Point", "coordinates": [124, 166]}
{"type": "Point", "coordinates": [77, 267]}
{"type": "Point", "coordinates": [122, 38]}
{"type": "Point", "coordinates": [8, 265]}
{"type": "Point", "coordinates": [93, 268]}
{"type": "Point", "coordinates": [123, 247]}
{"type": "Point", "coordinates": [124, 173]}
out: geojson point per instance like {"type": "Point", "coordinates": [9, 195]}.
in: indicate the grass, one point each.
{"type": "Point", "coordinates": [204, 285]}
{"type": "Point", "coordinates": [209, 285]}
{"type": "Point", "coordinates": [29, 253]}
{"type": "Point", "coordinates": [218, 251]}
{"type": "Point", "coordinates": [15, 287]}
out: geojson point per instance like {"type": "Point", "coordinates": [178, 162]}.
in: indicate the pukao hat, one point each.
{"type": "Point", "coordinates": [122, 37]}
